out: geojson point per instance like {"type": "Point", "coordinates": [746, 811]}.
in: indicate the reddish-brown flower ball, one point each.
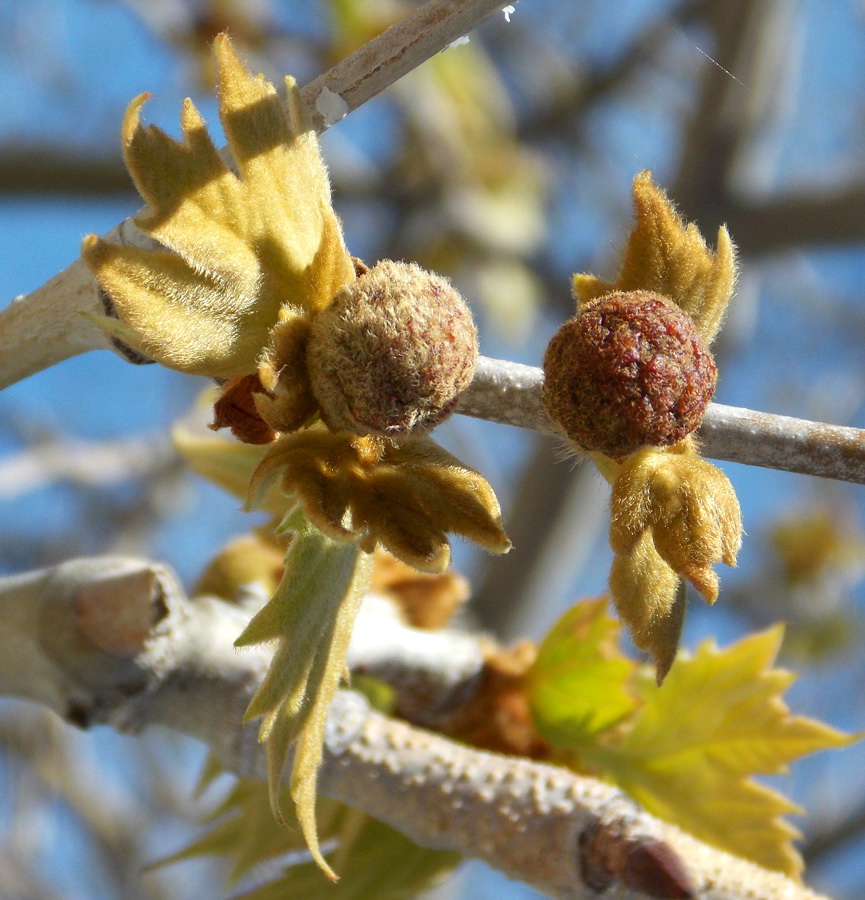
{"type": "Point", "coordinates": [391, 352]}
{"type": "Point", "coordinates": [629, 371]}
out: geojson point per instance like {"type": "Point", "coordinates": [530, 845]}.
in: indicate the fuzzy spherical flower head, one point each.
{"type": "Point", "coordinates": [392, 352]}
{"type": "Point", "coordinates": [629, 371]}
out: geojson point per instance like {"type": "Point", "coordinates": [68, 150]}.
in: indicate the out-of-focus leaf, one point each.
{"type": "Point", "coordinates": [374, 860]}
{"type": "Point", "coordinates": [380, 863]}
{"type": "Point", "coordinates": [242, 829]}
{"type": "Point", "coordinates": [580, 682]}
{"type": "Point", "coordinates": [229, 464]}
{"type": "Point", "coordinates": [812, 543]}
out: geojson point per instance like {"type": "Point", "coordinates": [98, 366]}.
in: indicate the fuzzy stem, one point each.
{"type": "Point", "coordinates": [512, 394]}
{"type": "Point", "coordinates": [116, 641]}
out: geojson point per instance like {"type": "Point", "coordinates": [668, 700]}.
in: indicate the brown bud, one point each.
{"type": "Point", "coordinates": [629, 371]}
{"type": "Point", "coordinates": [235, 409]}
{"type": "Point", "coordinates": [391, 352]}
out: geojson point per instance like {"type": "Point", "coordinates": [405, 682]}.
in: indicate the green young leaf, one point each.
{"type": "Point", "coordinates": [242, 829]}
{"type": "Point", "coordinates": [229, 464]}
{"type": "Point", "coordinates": [580, 682]}
{"type": "Point", "coordinates": [718, 720]}
{"type": "Point", "coordinates": [310, 617]}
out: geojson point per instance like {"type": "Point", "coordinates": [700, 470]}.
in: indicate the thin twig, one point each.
{"type": "Point", "coordinates": [385, 59]}
{"type": "Point", "coordinates": [45, 327]}
{"type": "Point", "coordinates": [116, 641]}
{"type": "Point", "coordinates": [512, 394]}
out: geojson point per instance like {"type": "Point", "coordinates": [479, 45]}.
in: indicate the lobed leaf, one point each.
{"type": "Point", "coordinates": [687, 504]}
{"type": "Point", "coordinates": [406, 497]}
{"type": "Point", "coordinates": [230, 464]}
{"type": "Point", "coordinates": [580, 682]}
{"type": "Point", "coordinates": [668, 256]}
{"type": "Point", "coordinates": [242, 245]}
{"type": "Point", "coordinates": [718, 720]}
{"type": "Point", "coordinates": [379, 863]}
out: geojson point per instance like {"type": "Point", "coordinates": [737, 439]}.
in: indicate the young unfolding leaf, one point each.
{"type": "Point", "coordinates": [673, 515]}
{"type": "Point", "coordinates": [695, 743]}
{"type": "Point", "coordinates": [687, 504]}
{"type": "Point", "coordinates": [243, 245]}
{"type": "Point", "coordinates": [376, 860]}
{"type": "Point", "coordinates": [252, 285]}
{"type": "Point", "coordinates": [310, 618]}
{"type": "Point", "coordinates": [406, 497]}
{"type": "Point", "coordinates": [242, 829]}
{"type": "Point", "coordinates": [379, 863]}
{"type": "Point", "coordinates": [648, 596]}
{"type": "Point", "coordinates": [667, 256]}
{"type": "Point", "coordinates": [229, 464]}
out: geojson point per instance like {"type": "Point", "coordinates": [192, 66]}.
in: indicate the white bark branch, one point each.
{"type": "Point", "coordinates": [116, 641]}
{"type": "Point", "coordinates": [85, 463]}
{"type": "Point", "coordinates": [511, 393]}
{"type": "Point", "coordinates": [377, 65]}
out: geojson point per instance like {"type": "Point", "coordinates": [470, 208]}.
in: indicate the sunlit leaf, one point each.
{"type": "Point", "coordinates": [374, 860]}
{"type": "Point", "coordinates": [379, 863]}
{"type": "Point", "coordinates": [697, 741]}
{"type": "Point", "coordinates": [579, 684]}
{"type": "Point", "coordinates": [669, 256]}
{"type": "Point", "coordinates": [227, 463]}
{"type": "Point", "coordinates": [407, 497]}
{"type": "Point", "coordinates": [242, 245]}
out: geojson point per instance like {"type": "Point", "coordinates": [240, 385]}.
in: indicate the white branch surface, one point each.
{"type": "Point", "coordinates": [512, 394]}
{"type": "Point", "coordinates": [116, 641]}
{"type": "Point", "coordinates": [377, 65]}
{"type": "Point", "coordinates": [86, 463]}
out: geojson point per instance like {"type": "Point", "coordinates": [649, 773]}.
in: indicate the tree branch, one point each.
{"type": "Point", "coordinates": [116, 641]}
{"type": "Point", "coordinates": [512, 394]}
{"type": "Point", "coordinates": [381, 62]}
{"type": "Point", "coordinates": [49, 169]}
{"type": "Point", "coordinates": [85, 463]}
{"type": "Point", "coordinates": [45, 327]}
